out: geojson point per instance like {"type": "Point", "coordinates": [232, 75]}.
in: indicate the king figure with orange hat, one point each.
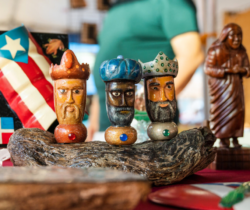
{"type": "Point", "coordinates": [70, 98]}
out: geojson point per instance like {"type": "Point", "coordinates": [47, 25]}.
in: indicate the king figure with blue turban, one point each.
{"type": "Point", "coordinates": [160, 98]}
{"type": "Point", "coordinates": [120, 76]}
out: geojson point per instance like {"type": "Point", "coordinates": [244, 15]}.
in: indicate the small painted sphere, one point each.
{"type": "Point", "coordinates": [120, 57]}
{"type": "Point", "coordinates": [120, 135]}
{"type": "Point", "coordinates": [123, 137]}
{"type": "Point", "coordinates": [72, 133]}
{"type": "Point", "coordinates": [72, 136]}
{"type": "Point", "coordinates": [162, 131]}
{"type": "Point", "coordinates": [166, 132]}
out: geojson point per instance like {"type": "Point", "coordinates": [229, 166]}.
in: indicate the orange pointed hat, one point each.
{"type": "Point", "coordinates": [69, 68]}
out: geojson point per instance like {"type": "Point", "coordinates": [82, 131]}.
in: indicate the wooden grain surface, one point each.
{"type": "Point", "coordinates": [56, 188]}
{"type": "Point", "coordinates": [161, 162]}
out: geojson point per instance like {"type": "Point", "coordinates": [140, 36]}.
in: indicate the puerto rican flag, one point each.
{"type": "Point", "coordinates": [25, 80]}
{"type": "Point", "coordinates": [6, 129]}
{"type": "Point", "coordinates": [198, 196]}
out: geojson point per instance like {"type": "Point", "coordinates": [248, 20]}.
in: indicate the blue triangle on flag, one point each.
{"type": "Point", "coordinates": [14, 45]}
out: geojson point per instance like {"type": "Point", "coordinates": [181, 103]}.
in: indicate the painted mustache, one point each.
{"type": "Point", "coordinates": [124, 110]}
{"type": "Point", "coordinates": [64, 107]}
{"type": "Point", "coordinates": [166, 104]}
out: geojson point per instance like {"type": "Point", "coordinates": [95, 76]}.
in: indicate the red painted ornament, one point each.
{"type": "Point", "coordinates": [72, 136]}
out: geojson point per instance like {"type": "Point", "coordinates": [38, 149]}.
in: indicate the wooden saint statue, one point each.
{"type": "Point", "coordinates": [70, 98]}
{"type": "Point", "coordinates": [160, 98]}
{"type": "Point", "coordinates": [120, 76]}
{"type": "Point", "coordinates": [226, 63]}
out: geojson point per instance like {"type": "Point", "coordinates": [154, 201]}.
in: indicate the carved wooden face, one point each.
{"type": "Point", "coordinates": [120, 102]}
{"type": "Point", "coordinates": [160, 98]}
{"type": "Point", "coordinates": [70, 99]}
{"type": "Point", "coordinates": [234, 38]}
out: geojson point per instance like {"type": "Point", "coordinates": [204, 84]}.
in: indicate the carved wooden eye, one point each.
{"type": "Point", "coordinates": [116, 93]}
{"type": "Point", "coordinates": [77, 91]}
{"type": "Point", "coordinates": [155, 88]}
{"type": "Point", "coordinates": [129, 93]}
{"type": "Point", "coordinates": [62, 91]}
{"type": "Point", "coordinates": [169, 86]}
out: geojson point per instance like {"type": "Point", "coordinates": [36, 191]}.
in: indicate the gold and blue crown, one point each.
{"type": "Point", "coordinates": [160, 66]}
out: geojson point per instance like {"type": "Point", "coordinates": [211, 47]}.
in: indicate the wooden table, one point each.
{"type": "Point", "coordinates": [204, 176]}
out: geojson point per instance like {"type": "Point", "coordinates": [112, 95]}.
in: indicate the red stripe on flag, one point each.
{"type": "Point", "coordinates": [39, 49]}
{"type": "Point", "coordinates": [16, 103]}
{"type": "Point", "coordinates": [36, 77]}
{"type": "Point", "coordinates": [7, 163]}
{"type": "Point", "coordinates": [6, 137]}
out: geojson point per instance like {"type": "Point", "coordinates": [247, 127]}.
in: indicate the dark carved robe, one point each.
{"type": "Point", "coordinates": [226, 90]}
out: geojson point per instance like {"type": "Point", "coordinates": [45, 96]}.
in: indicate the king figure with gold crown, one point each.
{"type": "Point", "coordinates": [160, 98]}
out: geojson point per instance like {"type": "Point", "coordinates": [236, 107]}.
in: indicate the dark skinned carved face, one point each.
{"type": "Point", "coordinates": [234, 38]}
{"type": "Point", "coordinates": [120, 102]}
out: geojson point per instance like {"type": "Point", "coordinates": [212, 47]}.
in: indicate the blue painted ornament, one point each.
{"type": "Point", "coordinates": [123, 137]}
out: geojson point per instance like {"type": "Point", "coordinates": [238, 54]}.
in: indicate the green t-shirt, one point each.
{"type": "Point", "coordinates": [139, 30]}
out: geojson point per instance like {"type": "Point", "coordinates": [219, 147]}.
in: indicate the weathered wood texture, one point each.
{"type": "Point", "coordinates": [54, 188]}
{"type": "Point", "coordinates": [162, 162]}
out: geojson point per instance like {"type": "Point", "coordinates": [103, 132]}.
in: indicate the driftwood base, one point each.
{"type": "Point", "coordinates": [54, 188]}
{"type": "Point", "coordinates": [162, 162]}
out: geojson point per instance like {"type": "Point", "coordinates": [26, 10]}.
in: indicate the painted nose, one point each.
{"type": "Point", "coordinates": [162, 95]}
{"type": "Point", "coordinates": [70, 99]}
{"type": "Point", "coordinates": [123, 102]}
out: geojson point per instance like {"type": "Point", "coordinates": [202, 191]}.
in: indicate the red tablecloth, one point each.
{"type": "Point", "coordinates": [204, 176]}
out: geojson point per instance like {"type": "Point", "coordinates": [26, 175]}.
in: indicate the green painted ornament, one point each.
{"type": "Point", "coordinates": [166, 132]}
{"type": "Point", "coordinates": [236, 195]}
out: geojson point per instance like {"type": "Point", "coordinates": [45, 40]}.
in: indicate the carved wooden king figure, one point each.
{"type": "Point", "coordinates": [160, 98]}
{"type": "Point", "coordinates": [226, 63]}
{"type": "Point", "coordinates": [120, 76]}
{"type": "Point", "coordinates": [70, 98]}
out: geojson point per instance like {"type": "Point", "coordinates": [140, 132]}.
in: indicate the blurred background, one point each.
{"type": "Point", "coordinates": [82, 20]}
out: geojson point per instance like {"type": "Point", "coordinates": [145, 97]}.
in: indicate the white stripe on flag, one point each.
{"type": "Point", "coordinates": [41, 62]}
{"type": "Point", "coordinates": [6, 130]}
{"type": "Point", "coordinates": [219, 190]}
{"type": "Point", "coordinates": [29, 94]}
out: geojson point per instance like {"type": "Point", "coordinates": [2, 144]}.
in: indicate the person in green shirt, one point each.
{"type": "Point", "coordinates": [140, 29]}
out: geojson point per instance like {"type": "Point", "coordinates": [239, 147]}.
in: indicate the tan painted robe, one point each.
{"type": "Point", "coordinates": [226, 90]}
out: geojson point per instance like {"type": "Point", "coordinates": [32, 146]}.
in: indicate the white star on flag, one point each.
{"type": "Point", "coordinates": [13, 46]}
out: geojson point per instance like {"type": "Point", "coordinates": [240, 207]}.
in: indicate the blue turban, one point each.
{"type": "Point", "coordinates": [121, 69]}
